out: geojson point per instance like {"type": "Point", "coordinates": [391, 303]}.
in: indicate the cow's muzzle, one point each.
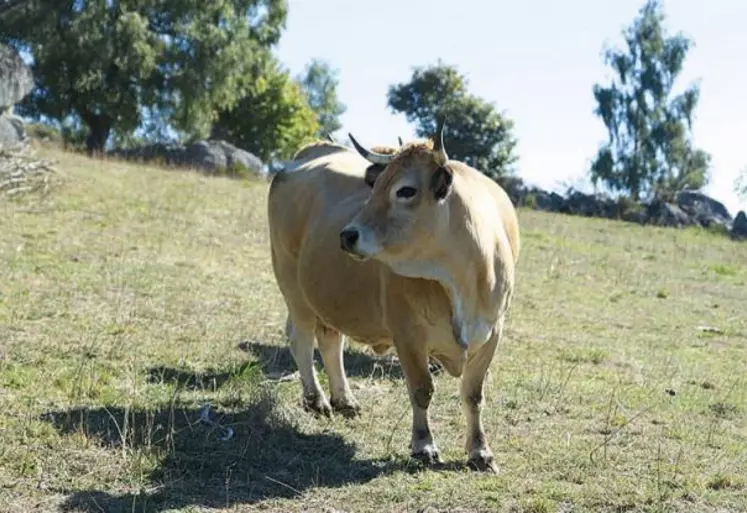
{"type": "Point", "coordinates": [349, 238]}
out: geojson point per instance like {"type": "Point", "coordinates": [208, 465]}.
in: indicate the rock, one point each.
{"type": "Point", "coordinates": [703, 209]}
{"type": "Point", "coordinates": [591, 205]}
{"type": "Point", "coordinates": [666, 214]}
{"type": "Point", "coordinates": [739, 228]}
{"type": "Point", "coordinates": [12, 131]}
{"type": "Point", "coordinates": [16, 80]}
{"type": "Point", "coordinates": [551, 202]}
{"type": "Point", "coordinates": [214, 155]}
{"type": "Point", "coordinates": [632, 215]}
{"type": "Point", "coordinates": [210, 155]}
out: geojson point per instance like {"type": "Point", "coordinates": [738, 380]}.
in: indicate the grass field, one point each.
{"type": "Point", "coordinates": [132, 296]}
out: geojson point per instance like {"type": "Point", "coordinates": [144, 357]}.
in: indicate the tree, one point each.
{"type": "Point", "coordinates": [320, 82]}
{"type": "Point", "coordinates": [273, 117]}
{"type": "Point", "coordinates": [740, 184]}
{"type": "Point", "coordinates": [475, 132]}
{"type": "Point", "coordinates": [107, 62]}
{"type": "Point", "coordinates": [649, 151]}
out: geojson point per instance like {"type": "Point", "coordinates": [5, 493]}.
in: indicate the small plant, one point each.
{"type": "Point", "coordinates": [726, 481]}
{"type": "Point", "coordinates": [236, 170]}
{"type": "Point", "coordinates": [530, 200]}
{"type": "Point", "coordinates": [724, 270]}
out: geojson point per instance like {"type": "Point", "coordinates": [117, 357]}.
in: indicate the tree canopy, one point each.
{"type": "Point", "coordinates": [272, 118]}
{"type": "Point", "coordinates": [475, 132]}
{"type": "Point", "coordinates": [320, 82]}
{"type": "Point", "coordinates": [106, 63]}
{"type": "Point", "coordinates": [649, 150]}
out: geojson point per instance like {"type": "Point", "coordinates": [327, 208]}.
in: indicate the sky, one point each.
{"type": "Point", "coordinates": [536, 61]}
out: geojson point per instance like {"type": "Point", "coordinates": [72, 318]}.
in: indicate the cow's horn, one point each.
{"type": "Point", "coordinates": [371, 156]}
{"type": "Point", "coordinates": [438, 139]}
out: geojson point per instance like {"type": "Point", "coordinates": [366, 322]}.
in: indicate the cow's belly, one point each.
{"type": "Point", "coordinates": [443, 348]}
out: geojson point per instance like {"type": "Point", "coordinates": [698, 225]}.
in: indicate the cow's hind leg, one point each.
{"type": "Point", "coordinates": [300, 332]}
{"type": "Point", "coordinates": [330, 346]}
{"type": "Point", "coordinates": [414, 363]}
{"type": "Point", "coordinates": [473, 379]}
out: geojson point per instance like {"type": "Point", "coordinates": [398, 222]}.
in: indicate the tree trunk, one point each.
{"type": "Point", "coordinates": [99, 129]}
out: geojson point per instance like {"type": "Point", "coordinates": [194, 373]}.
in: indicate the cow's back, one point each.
{"type": "Point", "coordinates": [321, 177]}
{"type": "Point", "coordinates": [307, 209]}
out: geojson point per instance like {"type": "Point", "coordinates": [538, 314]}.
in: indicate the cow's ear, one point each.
{"type": "Point", "coordinates": [372, 173]}
{"type": "Point", "coordinates": [441, 182]}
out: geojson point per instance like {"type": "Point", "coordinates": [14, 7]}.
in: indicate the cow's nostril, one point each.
{"type": "Point", "coordinates": [348, 239]}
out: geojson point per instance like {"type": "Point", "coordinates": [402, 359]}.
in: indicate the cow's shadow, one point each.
{"type": "Point", "coordinates": [276, 362]}
{"type": "Point", "coordinates": [268, 457]}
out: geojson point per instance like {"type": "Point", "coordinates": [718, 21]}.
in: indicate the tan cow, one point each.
{"type": "Point", "coordinates": [421, 257]}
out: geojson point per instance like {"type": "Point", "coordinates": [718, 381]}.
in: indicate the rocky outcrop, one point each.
{"type": "Point", "coordinates": [703, 209]}
{"type": "Point", "coordinates": [12, 131]}
{"type": "Point", "coordinates": [16, 81]}
{"type": "Point", "coordinates": [689, 208]}
{"type": "Point", "coordinates": [212, 156]}
{"type": "Point", "coordinates": [739, 228]}
{"type": "Point", "coordinates": [661, 213]}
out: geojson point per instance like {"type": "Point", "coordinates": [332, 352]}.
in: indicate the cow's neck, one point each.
{"type": "Point", "coordinates": [469, 290]}
{"type": "Point", "coordinates": [468, 275]}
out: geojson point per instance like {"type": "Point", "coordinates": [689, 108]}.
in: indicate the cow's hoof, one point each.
{"type": "Point", "coordinates": [483, 462]}
{"type": "Point", "coordinates": [348, 409]}
{"type": "Point", "coordinates": [427, 456]}
{"type": "Point", "coordinates": [317, 405]}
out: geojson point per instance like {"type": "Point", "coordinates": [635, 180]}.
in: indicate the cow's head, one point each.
{"type": "Point", "coordinates": [408, 206]}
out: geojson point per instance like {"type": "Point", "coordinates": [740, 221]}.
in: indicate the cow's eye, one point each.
{"type": "Point", "coordinates": [406, 192]}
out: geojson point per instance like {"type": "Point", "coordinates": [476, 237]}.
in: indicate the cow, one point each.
{"type": "Point", "coordinates": [405, 249]}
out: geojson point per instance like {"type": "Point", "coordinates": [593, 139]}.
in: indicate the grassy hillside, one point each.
{"type": "Point", "coordinates": [132, 296]}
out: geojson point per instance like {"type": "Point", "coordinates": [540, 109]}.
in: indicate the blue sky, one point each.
{"type": "Point", "coordinates": [536, 60]}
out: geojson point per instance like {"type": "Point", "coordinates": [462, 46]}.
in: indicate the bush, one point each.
{"type": "Point", "coordinates": [44, 133]}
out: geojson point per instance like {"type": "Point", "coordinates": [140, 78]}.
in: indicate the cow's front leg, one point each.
{"type": "Point", "coordinates": [473, 379]}
{"type": "Point", "coordinates": [414, 363]}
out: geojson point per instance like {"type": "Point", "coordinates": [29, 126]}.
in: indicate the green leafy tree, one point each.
{"type": "Point", "coordinates": [320, 82]}
{"type": "Point", "coordinates": [273, 117]}
{"type": "Point", "coordinates": [105, 63]}
{"type": "Point", "coordinates": [649, 151]}
{"type": "Point", "coordinates": [475, 132]}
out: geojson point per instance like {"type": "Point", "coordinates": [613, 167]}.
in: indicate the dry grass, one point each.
{"type": "Point", "coordinates": [132, 296]}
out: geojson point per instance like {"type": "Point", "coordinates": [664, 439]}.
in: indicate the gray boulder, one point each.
{"type": "Point", "coordinates": [591, 205]}
{"type": "Point", "coordinates": [215, 155]}
{"type": "Point", "coordinates": [703, 209]}
{"type": "Point", "coordinates": [739, 228]}
{"type": "Point", "coordinates": [661, 213]}
{"type": "Point", "coordinates": [16, 80]}
{"type": "Point", "coordinates": [550, 202]}
{"type": "Point", "coordinates": [212, 156]}
{"type": "Point", "coordinates": [12, 131]}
